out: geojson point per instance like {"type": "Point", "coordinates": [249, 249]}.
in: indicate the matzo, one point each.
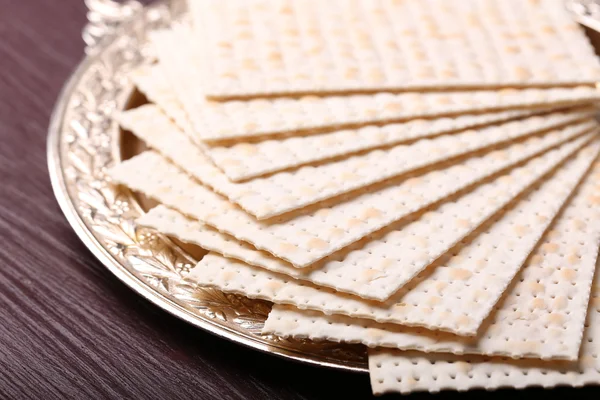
{"type": "Point", "coordinates": [313, 233]}
{"type": "Point", "coordinates": [150, 81]}
{"type": "Point", "coordinates": [455, 294]}
{"type": "Point", "coordinates": [249, 160]}
{"type": "Point", "coordinates": [379, 265]}
{"type": "Point", "coordinates": [287, 191]}
{"type": "Point", "coordinates": [242, 161]}
{"type": "Point", "coordinates": [234, 120]}
{"type": "Point", "coordinates": [260, 47]}
{"type": "Point", "coordinates": [541, 316]}
{"type": "Point", "coordinates": [411, 371]}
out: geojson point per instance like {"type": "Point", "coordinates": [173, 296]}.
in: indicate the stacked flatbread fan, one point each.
{"type": "Point", "coordinates": [419, 176]}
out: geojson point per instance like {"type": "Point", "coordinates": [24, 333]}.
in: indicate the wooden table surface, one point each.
{"type": "Point", "coordinates": [68, 328]}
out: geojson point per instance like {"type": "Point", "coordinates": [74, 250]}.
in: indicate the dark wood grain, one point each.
{"type": "Point", "coordinates": [68, 328]}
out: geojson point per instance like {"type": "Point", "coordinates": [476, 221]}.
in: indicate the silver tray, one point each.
{"type": "Point", "coordinates": [84, 141]}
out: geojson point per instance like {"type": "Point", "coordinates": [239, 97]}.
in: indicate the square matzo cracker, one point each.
{"type": "Point", "coordinates": [242, 161]}
{"type": "Point", "coordinates": [180, 67]}
{"type": "Point", "coordinates": [411, 371]}
{"type": "Point", "coordinates": [313, 233]}
{"type": "Point", "coordinates": [380, 264]}
{"type": "Point", "coordinates": [455, 294]}
{"type": "Point", "coordinates": [542, 314]}
{"type": "Point", "coordinates": [286, 191]}
{"type": "Point", "coordinates": [263, 47]}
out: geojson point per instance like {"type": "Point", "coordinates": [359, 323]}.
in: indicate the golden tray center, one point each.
{"type": "Point", "coordinates": [84, 141]}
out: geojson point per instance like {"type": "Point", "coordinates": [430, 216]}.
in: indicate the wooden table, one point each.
{"type": "Point", "coordinates": [68, 328]}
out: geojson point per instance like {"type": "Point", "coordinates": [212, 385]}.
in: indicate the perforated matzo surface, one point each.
{"type": "Point", "coordinates": [541, 316]}
{"type": "Point", "coordinates": [230, 120]}
{"type": "Point", "coordinates": [285, 46]}
{"type": "Point", "coordinates": [410, 371]}
{"type": "Point", "coordinates": [455, 294]}
{"type": "Point", "coordinates": [379, 265]}
{"type": "Point", "coordinates": [247, 160]}
{"type": "Point", "coordinates": [150, 80]}
{"type": "Point", "coordinates": [287, 191]}
{"type": "Point", "coordinates": [306, 237]}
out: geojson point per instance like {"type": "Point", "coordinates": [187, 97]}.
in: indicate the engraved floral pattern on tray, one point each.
{"type": "Point", "coordinates": [90, 142]}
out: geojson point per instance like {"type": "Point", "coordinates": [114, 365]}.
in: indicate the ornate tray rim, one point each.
{"type": "Point", "coordinates": [109, 22]}
{"type": "Point", "coordinates": [68, 204]}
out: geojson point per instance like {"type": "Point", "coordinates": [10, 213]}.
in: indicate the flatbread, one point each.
{"type": "Point", "coordinates": [455, 294]}
{"type": "Point", "coordinates": [287, 191]}
{"type": "Point", "coordinates": [313, 233]}
{"type": "Point", "coordinates": [379, 265]}
{"type": "Point", "coordinates": [261, 47]}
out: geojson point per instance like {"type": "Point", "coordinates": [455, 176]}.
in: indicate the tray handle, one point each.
{"type": "Point", "coordinates": [104, 17]}
{"type": "Point", "coordinates": [586, 12]}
